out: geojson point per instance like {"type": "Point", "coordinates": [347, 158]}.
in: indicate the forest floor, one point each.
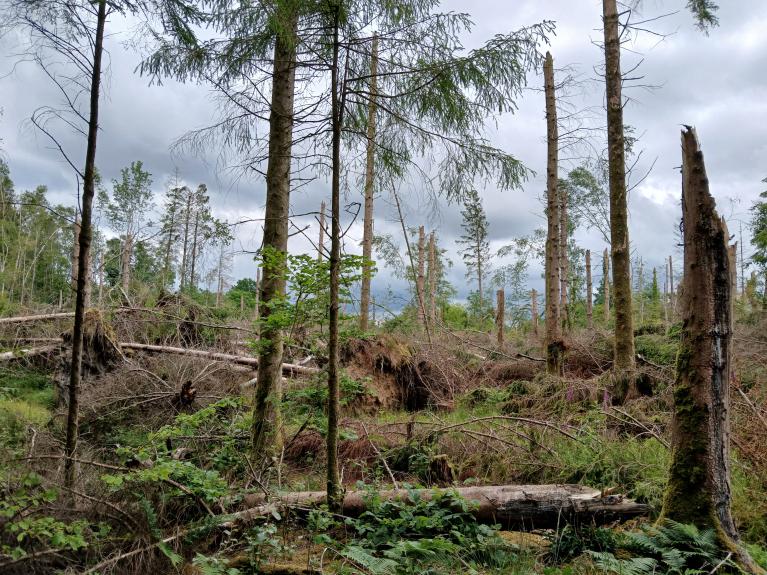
{"type": "Point", "coordinates": [162, 475]}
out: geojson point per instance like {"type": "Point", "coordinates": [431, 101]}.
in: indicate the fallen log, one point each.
{"type": "Point", "coordinates": [512, 506]}
{"type": "Point", "coordinates": [31, 318]}
{"type": "Point", "coordinates": [287, 368]}
{"type": "Point", "coordinates": [29, 352]}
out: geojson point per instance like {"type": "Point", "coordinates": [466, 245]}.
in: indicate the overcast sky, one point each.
{"type": "Point", "coordinates": [716, 83]}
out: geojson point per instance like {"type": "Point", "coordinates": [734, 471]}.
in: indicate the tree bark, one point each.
{"type": "Point", "coordinates": [500, 315]}
{"type": "Point", "coordinates": [267, 421]}
{"type": "Point", "coordinates": [420, 279]}
{"type": "Point", "coordinates": [623, 356]}
{"type": "Point", "coordinates": [321, 239]}
{"type": "Point", "coordinates": [606, 286]}
{"type": "Point", "coordinates": [334, 495]}
{"type": "Point", "coordinates": [432, 275]}
{"type": "Point", "coordinates": [127, 253]}
{"type": "Point", "coordinates": [672, 299]}
{"type": "Point", "coordinates": [698, 490]}
{"type": "Point", "coordinates": [86, 234]}
{"type": "Point", "coordinates": [534, 311]}
{"type": "Point", "coordinates": [367, 231]}
{"type": "Point", "coordinates": [589, 293]}
{"type": "Point", "coordinates": [564, 271]}
{"type": "Point", "coordinates": [641, 290]}
{"type": "Point", "coordinates": [554, 343]}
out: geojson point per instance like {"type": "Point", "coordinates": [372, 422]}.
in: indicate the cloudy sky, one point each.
{"type": "Point", "coordinates": [716, 83]}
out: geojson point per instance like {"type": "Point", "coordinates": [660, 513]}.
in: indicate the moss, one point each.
{"type": "Point", "coordinates": [687, 499]}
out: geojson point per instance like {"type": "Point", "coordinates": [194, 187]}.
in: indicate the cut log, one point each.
{"type": "Point", "coordinates": [511, 506]}
{"type": "Point", "coordinates": [287, 368]}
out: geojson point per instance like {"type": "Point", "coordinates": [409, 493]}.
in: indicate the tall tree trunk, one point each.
{"type": "Point", "coordinates": [500, 315]}
{"type": "Point", "coordinates": [606, 286]}
{"type": "Point", "coordinates": [195, 245]}
{"type": "Point", "coordinates": [220, 282]}
{"type": "Point", "coordinates": [334, 494]}
{"type": "Point", "coordinates": [256, 315]}
{"type": "Point", "coordinates": [321, 240]}
{"type": "Point", "coordinates": [420, 280]}
{"type": "Point", "coordinates": [267, 420]}
{"type": "Point", "coordinates": [125, 269]}
{"type": "Point", "coordinates": [554, 343]}
{"type": "Point", "coordinates": [432, 275]}
{"type": "Point", "coordinates": [86, 234]}
{"type": "Point", "coordinates": [641, 290]}
{"type": "Point", "coordinates": [75, 252]}
{"type": "Point", "coordinates": [698, 489]}
{"type": "Point", "coordinates": [534, 311]}
{"type": "Point", "coordinates": [564, 271]}
{"type": "Point", "coordinates": [623, 357]}
{"type": "Point", "coordinates": [185, 247]}
{"type": "Point", "coordinates": [672, 299]}
{"type": "Point", "coordinates": [367, 231]}
{"type": "Point", "coordinates": [589, 293]}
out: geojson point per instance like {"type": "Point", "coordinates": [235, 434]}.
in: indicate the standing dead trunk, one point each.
{"type": "Point", "coordinates": [698, 490]}
{"type": "Point", "coordinates": [606, 286]}
{"type": "Point", "coordinates": [321, 240]}
{"type": "Point", "coordinates": [672, 299]}
{"type": "Point", "coordinates": [623, 356]}
{"type": "Point", "coordinates": [563, 264]}
{"type": "Point", "coordinates": [554, 343]}
{"type": "Point", "coordinates": [256, 315]}
{"type": "Point", "coordinates": [86, 234]}
{"type": "Point", "coordinates": [420, 279]}
{"type": "Point", "coordinates": [185, 246]}
{"type": "Point", "coordinates": [75, 252]}
{"type": "Point", "coordinates": [733, 253]}
{"type": "Point", "coordinates": [500, 315]}
{"type": "Point", "coordinates": [367, 227]}
{"type": "Point", "coordinates": [125, 258]}
{"type": "Point", "coordinates": [267, 421]}
{"type": "Point", "coordinates": [534, 311]}
{"type": "Point", "coordinates": [432, 275]}
{"type": "Point", "coordinates": [641, 290]}
{"type": "Point", "coordinates": [589, 293]}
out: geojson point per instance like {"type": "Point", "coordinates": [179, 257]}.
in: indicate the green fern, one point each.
{"type": "Point", "coordinates": [365, 559]}
{"type": "Point", "coordinates": [668, 549]}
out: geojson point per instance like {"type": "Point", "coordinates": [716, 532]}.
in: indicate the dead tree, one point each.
{"type": "Point", "coordinates": [589, 295]}
{"type": "Point", "coordinates": [500, 315]}
{"type": "Point", "coordinates": [367, 227]}
{"type": "Point", "coordinates": [564, 272]}
{"type": "Point", "coordinates": [534, 310]}
{"type": "Point", "coordinates": [698, 490]}
{"type": "Point", "coordinates": [554, 343]}
{"type": "Point", "coordinates": [432, 276]}
{"type": "Point", "coordinates": [420, 278]}
{"type": "Point", "coordinates": [623, 353]}
{"type": "Point", "coordinates": [606, 286]}
{"type": "Point", "coordinates": [321, 240]}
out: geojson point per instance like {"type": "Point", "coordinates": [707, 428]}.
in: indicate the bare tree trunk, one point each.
{"type": "Point", "coordinates": [195, 245]}
{"type": "Point", "coordinates": [432, 274]}
{"type": "Point", "coordinates": [672, 299]}
{"type": "Point", "coordinates": [125, 270]}
{"type": "Point", "coordinates": [623, 357]}
{"type": "Point", "coordinates": [86, 234]}
{"type": "Point", "coordinates": [367, 231]}
{"type": "Point", "coordinates": [534, 311]}
{"type": "Point", "coordinates": [589, 293]}
{"type": "Point", "coordinates": [185, 247]}
{"type": "Point", "coordinates": [321, 240]}
{"type": "Point", "coordinates": [698, 490]}
{"type": "Point", "coordinates": [420, 280]}
{"type": "Point", "coordinates": [554, 343]}
{"type": "Point", "coordinates": [334, 494]}
{"type": "Point", "coordinates": [641, 291]}
{"type": "Point", "coordinates": [75, 252]}
{"type": "Point", "coordinates": [256, 315]}
{"type": "Point", "coordinates": [742, 263]}
{"type": "Point", "coordinates": [733, 253]}
{"type": "Point", "coordinates": [606, 285]}
{"type": "Point", "coordinates": [267, 420]}
{"type": "Point", "coordinates": [563, 264]}
{"type": "Point", "coordinates": [500, 315]}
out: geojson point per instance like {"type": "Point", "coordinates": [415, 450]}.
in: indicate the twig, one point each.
{"type": "Point", "coordinates": [380, 456]}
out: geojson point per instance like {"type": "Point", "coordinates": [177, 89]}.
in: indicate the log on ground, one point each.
{"type": "Point", "coordinates": [512, 506]}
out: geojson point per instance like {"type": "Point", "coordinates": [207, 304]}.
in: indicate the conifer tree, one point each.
{"type": "Point", "coordinates": [476, 248]}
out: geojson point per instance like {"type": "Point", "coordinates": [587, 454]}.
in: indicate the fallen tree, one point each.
{"type": "Point", "coordinates": [511, 506]}
{"type": "Point", "coordinates": [27, 352]}
{"type": "Point", "coordinates": [287, 368]}
{"type": "Point", "coordinates": [32, 318]}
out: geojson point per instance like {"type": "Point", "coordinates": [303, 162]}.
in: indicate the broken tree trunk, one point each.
{"type": "Point", "coordinates": [27, 352]}
{"type": "Point", "coordinates": [606, 285]}
{"type": "Point", "coordinates": [534, 311]}
{"type": "Point", "coordinates": [420, 278]}
{"type": "Point", "coordinates": [512, 506]}
{"type": "Point", "coordinates": [31, 318]}
{"type": "Point", "coordinates": [287, 368]}
{"type": "Point", "coordinates": [698, 489]}
{"type": "Point", "coordinates": [432, 275]}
